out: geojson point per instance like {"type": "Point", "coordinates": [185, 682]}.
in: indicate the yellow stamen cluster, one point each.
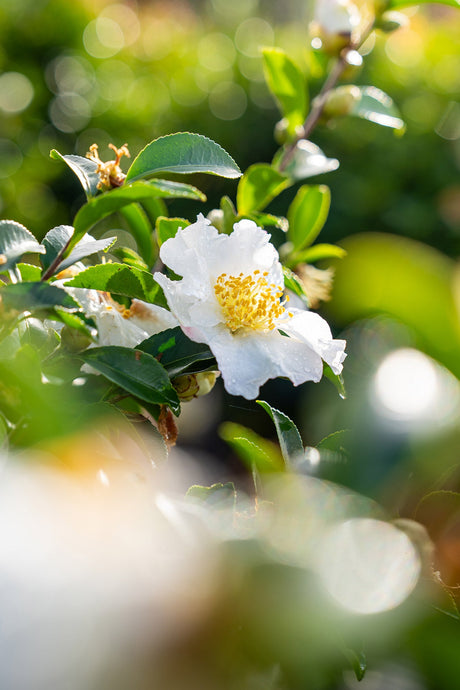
{"type": "Point", "coordinates": [249, 301]}
{"type": "Point", "coordinates": [110, 173]}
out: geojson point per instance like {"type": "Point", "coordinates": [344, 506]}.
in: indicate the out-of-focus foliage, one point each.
{"type": "Point", "coordinates": [71, 72]}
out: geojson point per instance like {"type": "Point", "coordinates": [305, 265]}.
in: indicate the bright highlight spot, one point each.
{"type": "Point", "coordinates": [368, 566]}
{"type": "Point", "coordinates": [16, 92]}
{"type": "Point", "coordinates": [411, 388]}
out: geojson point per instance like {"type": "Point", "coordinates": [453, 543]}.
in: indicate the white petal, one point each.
{"type": "Point", "coordinates": [312, 329]}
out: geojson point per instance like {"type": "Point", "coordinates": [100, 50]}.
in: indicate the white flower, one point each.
{"type": "Point", "coordinates": [337, 16]}
{"type": "Point", "coordinates": [230, 298]}
{"type": "Point", "coordinates": [117, 325]}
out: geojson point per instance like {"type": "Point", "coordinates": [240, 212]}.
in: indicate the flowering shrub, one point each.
{"type": "Point", "coordinates": [92, 330]}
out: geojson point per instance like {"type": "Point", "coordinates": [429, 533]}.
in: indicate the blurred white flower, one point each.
{"type": "Point", "coordinates": [230, 298]}
{"type": "Point", "coordinates": [337, 16]}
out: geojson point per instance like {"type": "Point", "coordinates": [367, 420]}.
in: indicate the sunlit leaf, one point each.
{"type": "Point", "coordinates": [307, 215]}
{"type": "Point", "coordinates": [183, 152]}
{"type": "Point", "coordinates": [258, 186]}
{"type": "Point", "coordinates": [254, 450]}
{"type": "Point", "coordinates": [57, 238]}
{"type": "Point", "coordinates": [119, 279]}
{"type": "Point", "coordinates": [292, 282]}
{"type": "Point", "coordinates": [377, 106]}
{"type": "Point", "coordinates": [175, 351]}
{"type": "Point", "coordinates": [135, 371]}
{"type": "Point", "coordinates": [141, 229]}
{"type": "Point", "coordinates": [288, 434]}
{"type": "Point", "coordinates": [29, 272]}
{"type": "Point", "coordinates": [336, 380]}
{"type": "Point", "coordinates": [307, 160]}
{"type": "Point", "coordinates": [288, 85]}
{"type": "Point", "coordinates": [166, 228]}
{"type": "Point", "coordinates": [103, 205]}
{"type": "Point", "coordinates": [128, 256]}
{"type": "Point", "coordinates": [397, 4]}
{"type": "Point", "coordinates": [84, 169]}
{"type": "Point", "coordinates": [15, 241]}
{"type": "Point", "coordinates": [316, 253]}
{"type": "Point", "coordinates": [36, 296]}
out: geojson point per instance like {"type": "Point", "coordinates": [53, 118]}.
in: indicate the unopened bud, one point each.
{"type": "Point", "coordinates": [341, 101]}
{"type": "Point", "coordinates": [191, 386]}
{"type": "Point", "coordinates": [282, 135]}
{"type": "Point", "coordinates": [335, 24]}
{"type": "Point", "coordinates": [391, 21]}
{"type": "Point", "coordinates": [216, 216]}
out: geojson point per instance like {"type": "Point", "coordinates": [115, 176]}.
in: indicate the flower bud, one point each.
{"type": "Point", "coordinates": [216, 216]}
{"type": "Point", "coordinates": [334, 24]}
{"type": "Point", "coordinates": [191, 386]}
{"type": "Point", "coordinates": [341, 101]}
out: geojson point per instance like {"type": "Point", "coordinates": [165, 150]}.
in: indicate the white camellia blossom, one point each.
{"type": "Point", "coordinates": [337, 16]}
{"type": "Point", "coordinates": [230, 297]}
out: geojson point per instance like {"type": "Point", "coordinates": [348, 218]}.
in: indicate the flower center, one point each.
{"type": "Point", "coordinates": [249, 301]}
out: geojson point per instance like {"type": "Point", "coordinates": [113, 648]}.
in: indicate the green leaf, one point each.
{"type": "Point", "coordinates": [258, 186]}
{"type": "Point", "coordinates": [113, 200]}
{"type": "Point", "coordinates": [336, 380]}
{"type": "Point", "coordinates": [397, 4]}
{"type": "Point", "coordinates": [307, 214]}
{"type": "Point", "coordinates": [357, 661]}
{"type": "Point", "coordinates": [128, 256]}
{"type": "Point", "coordinates": [16, 240]}
{"type": "Point", "coordinates": [335, 442]}
{"type": "Point", "coordinates": [292, 282]}
{"type": "Point", "coordinates": [36, 296]}
{"type": "Point", "coordinates": [183, 152]}
{"type": "Point", "coordinates": [29, 272]}
{"type": "Point", "coordinates": [229, 211]}
{"type": "Point", "coordinates": [84, 169]}
{"type": "Point", "coordinates": [268, 219]}
{"type": "Point", "coordinates": [76, 321]}
{"type": "Point", "coordinates": [136, 372]}
{"type": "Point", "coordinates": [287, 83]}
{"type": "Point", "coordinates": [119, 279]}
{"type": "Point", "coordinates": [307, 161]}
{"type": "Point", "coordinates": [288, 434]}
{"type": "Point", "coordinates": [174, 350]}
{"type": "Point", "coordinates": [375, 105]}
{"type": "Point", "coordinates": [141, 229]}
{"type": "Point", "coordinates": [167, 228]}
{"type": "Point", "coordinates": [317, 253]}
{"type": "Point", "coordinates": [56, 240]}
{"type": "Point", "coordinates": [254, 450]}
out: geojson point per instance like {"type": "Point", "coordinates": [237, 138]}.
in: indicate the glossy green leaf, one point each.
{"type": "Point", "coordinates": [292, 282]}
{"type": "Point", "coordinates": [288, 85]}
{"type": "Point", "coordinates": [375, 105]}
{"type": "Point", "coordinates": [136, 372]}
{"type": "Point", "coordinates": [57, 239]}
{"type": "Point", "coordinates": [183, 152]}
{"type": "Point", "coordinates": [175, 351]}
{"type": "Point", "coordinates": [252, 449]}
{"type": "Point", "coordinates": [166, 228]}
{"type": "Point", "coordinates": [317, 253]}
{"type": "Point", "coordinates": [229, 212]}
{"type": "Point", "coordinates": [288, 434]}
{"type": "Point", "coordinates": [269, 220]}
{"type": "Point", "coordinates": [103, 205]}
{"type": "Point", "coordinates": [29, 272]}
{"type": "Point", "coordinates": [397, 4]}
{"type": "Point", "coordinates": [307, 215]}
{"type": "Point", "coordinates": [119, 279]}
{"type": "Point", "coordinates": [15, 241]}
{"type": "Point", "coordinates": [36, 296]}
{"type": "Point", "coordinates": [336, 380]}
{"type": "Point", "coordinates": [128, 256]}
{"type": "Point", "coordinates": [141, 229]}
{"type": "Point", "coordinates": [258, 186]}
{"type": "Point", "coordinates": [84, 169]}
{"type": "Point", "coordinates": [306, 161]}
{"type": "Point", "coordinates": [77, 321]}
